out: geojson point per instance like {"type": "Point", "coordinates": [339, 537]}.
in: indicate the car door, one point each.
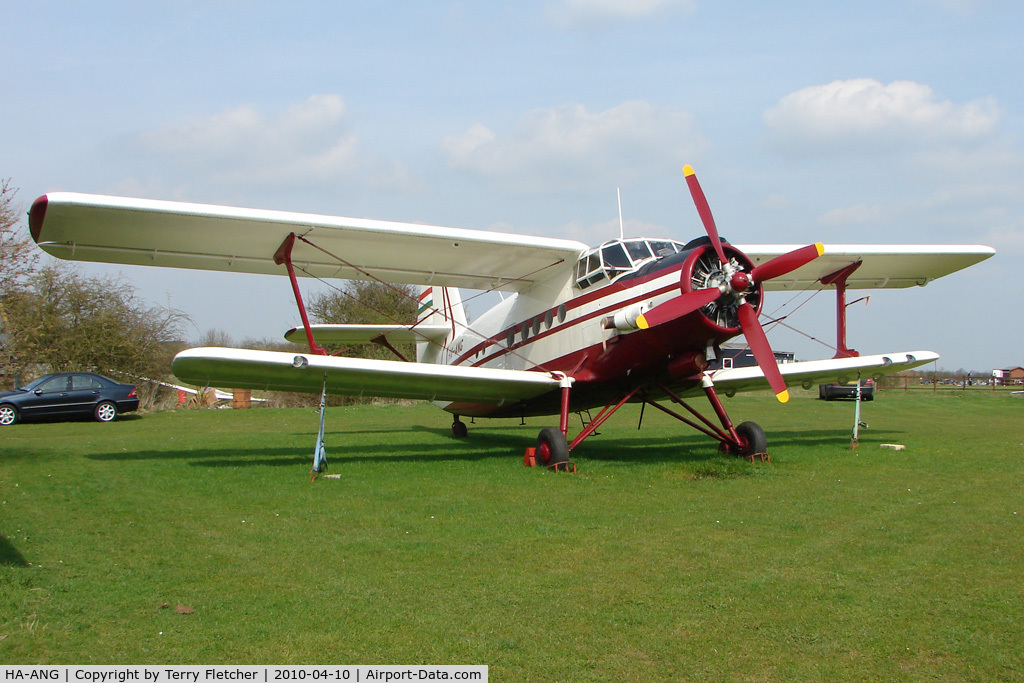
{"type": "Point", "coordinates": [84, 394]}
{"type": "Point", "coordinates": [49, 398]}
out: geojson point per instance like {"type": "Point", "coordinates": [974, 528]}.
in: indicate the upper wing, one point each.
{"type": "Point", "coordinates": [356, 334]}
{"type": "Point", "coordinates": [273, 370]}
{"type": "Point", "coordinates": [811, 372]}
{"type": "Point", "coordinates": [881, 266]}
{"type": "Point", "coordinates": [180, 235]}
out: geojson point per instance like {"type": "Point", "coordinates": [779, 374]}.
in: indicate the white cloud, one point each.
{"type": "Point", "coordinates": [577, 13]}
{"type": "Point", "coordinates": [864, 116]}
{"type": "Point", "coordinates": [308, 143]}
{"type": "Point", "coordinates": [568, 146]}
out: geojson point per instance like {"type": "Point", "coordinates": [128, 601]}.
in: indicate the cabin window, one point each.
{"type": "Point", "coordinates": [511, 338]}
{"type": "Point", "coordinates": [615, 258]}
{"type": "Point", "coordinates": [536, 326]}
{"type": "Point", "coordinates": [549, 319]}
{"type": "Point", "coordinates": [561, 313]}
{"type": "Point", "coordinates": [638, 250]}
{"type": "Point", "coordinates": [662, 248]}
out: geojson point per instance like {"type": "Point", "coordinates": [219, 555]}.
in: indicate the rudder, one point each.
{"type": "Point", "coordinates": [439, 306]}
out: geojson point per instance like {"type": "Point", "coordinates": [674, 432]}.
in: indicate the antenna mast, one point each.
{"type": "Point", "coordinates": [622, 230]}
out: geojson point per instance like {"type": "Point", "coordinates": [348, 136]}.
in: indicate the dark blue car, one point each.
{"type": "Point", "coordinates": [68, 394]}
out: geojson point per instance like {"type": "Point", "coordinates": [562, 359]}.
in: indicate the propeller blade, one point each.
{"type": "Point", "coordinates": [758, 342]}
{"type": "Point", "coordinates": [705, 211]}
{"type": "Point", "coordinates": [790, 261]}
{"type": "Point", "coordinates": [677, 307]}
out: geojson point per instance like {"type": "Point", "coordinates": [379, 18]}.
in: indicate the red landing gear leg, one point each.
{"type": "Point", "coordinates": [747, 440]}
{"type": "Point", "coordinates": [552, 450]}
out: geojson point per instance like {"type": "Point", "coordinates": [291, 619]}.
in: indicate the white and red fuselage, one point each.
{"type": "Point", "coordinates": [584, 325]}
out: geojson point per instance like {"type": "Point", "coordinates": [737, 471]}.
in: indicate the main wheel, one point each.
{"type": "Point", "coordinates": [8, 414]}
{"type": "Point", "coordinates": [551, 447]}
{"type": "Point", "coordinates": [105, 411]}
{"type": "Point", "coordinates": [752, 439]}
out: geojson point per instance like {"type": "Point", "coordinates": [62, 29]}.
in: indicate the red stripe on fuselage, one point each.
{"type": "Point", "coordinates": [612, 289]}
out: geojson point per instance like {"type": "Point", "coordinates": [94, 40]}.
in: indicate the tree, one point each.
{"type": "Point", "coordinates": [18, 256]}
{"type": "Point", "coordinates": [63, 321]}
{"type": "Point", "coordinates": [368, 303]}
{"type": "Point", "coordinates": [18, 261]}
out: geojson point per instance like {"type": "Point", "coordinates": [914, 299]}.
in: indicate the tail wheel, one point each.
{"type": "Point", "coordinates": [105, 411]}
{"type": "Point", "coordinates": [8, 415]}
{"type": "Point", "coordinates": [551, 447]}
{"type": "Point", "coordinates": [459, 429]}
{"type": "Point", "coordinates": [752, 440]}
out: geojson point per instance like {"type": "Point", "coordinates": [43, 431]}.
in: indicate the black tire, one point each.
{"type": "Point", "coordinates": [551, 447]}
{"type": "Point", "coordinates": [8, 415]}
{"type": "Point", "coordinates": [459, 429]}
{"type": "Point", "coordinates": [105, 411]}
{"type": "Point", "coordinates": [752, 438]}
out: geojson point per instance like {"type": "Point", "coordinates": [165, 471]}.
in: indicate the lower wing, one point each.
{"type": "Point", "coordinates": [811, 372]}
{"type": "Point", "coordinates": [277, 371]}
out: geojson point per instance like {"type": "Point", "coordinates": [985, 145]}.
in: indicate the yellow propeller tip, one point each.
{"type": "Point", "coordinates": [783, 396]}
{"type": "Point", "coordinates": [687, 170]}
{"type": "Point", "coordinates": [642, 323]}
{"type": "Point", "coordinates": [820, 247]}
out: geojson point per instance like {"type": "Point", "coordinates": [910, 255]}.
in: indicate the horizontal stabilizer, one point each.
{"type": "Point", "coordinates": [361, 334]}
{"type": "Point", "coordinates": [277, 371]}
{"type": "Point", "coordinates": [811, 372]}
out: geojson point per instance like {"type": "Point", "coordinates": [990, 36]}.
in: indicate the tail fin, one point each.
{"type": "Point", "coordinates": [439, 306]}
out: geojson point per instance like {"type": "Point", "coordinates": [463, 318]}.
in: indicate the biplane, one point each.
{"type": "Point", "coordinates": [578, 328]}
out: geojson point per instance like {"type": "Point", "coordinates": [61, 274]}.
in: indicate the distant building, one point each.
{"type": "Point", "coordinates": [1009, 375]}
{"type": "Point", "coordinates": [740, 356]}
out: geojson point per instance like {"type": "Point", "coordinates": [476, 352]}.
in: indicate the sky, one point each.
{"type": "Point", "coordinates": [890, 122]}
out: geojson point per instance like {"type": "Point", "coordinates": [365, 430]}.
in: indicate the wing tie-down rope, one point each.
{"type": "Point", "coordinates": [320, 452]}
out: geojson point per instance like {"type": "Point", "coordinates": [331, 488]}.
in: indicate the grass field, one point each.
{"type": "Point", "coordinates": [660, 560]}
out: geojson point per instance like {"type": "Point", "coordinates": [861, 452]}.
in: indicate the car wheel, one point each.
{"type": "Point", "coordinates": [8, 414]}
{"type": "Point", "coordinates": [105, 411]}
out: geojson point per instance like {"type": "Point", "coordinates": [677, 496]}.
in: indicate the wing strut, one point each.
{"type": "Point", "coordinates": [284, 256]}
{"type": "Point", "coordinates": [838, 279]}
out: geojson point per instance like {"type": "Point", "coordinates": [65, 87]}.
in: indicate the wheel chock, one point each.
{"type": "Point", "coordinates": [530, 457]}
{"type": "Point", "coordinates": [566, 466]}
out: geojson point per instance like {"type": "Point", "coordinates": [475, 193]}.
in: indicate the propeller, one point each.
{"type": "Point", "coordinates": [678, 307]}
{"type": "Point", "coordinates": [786, 263]}
{"type": "Point", "coordinates": [737, 284]}
{"type": "Point", "coordinates": [763, 353]}
{"type": "Point", "coordinates": [705, 211]}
